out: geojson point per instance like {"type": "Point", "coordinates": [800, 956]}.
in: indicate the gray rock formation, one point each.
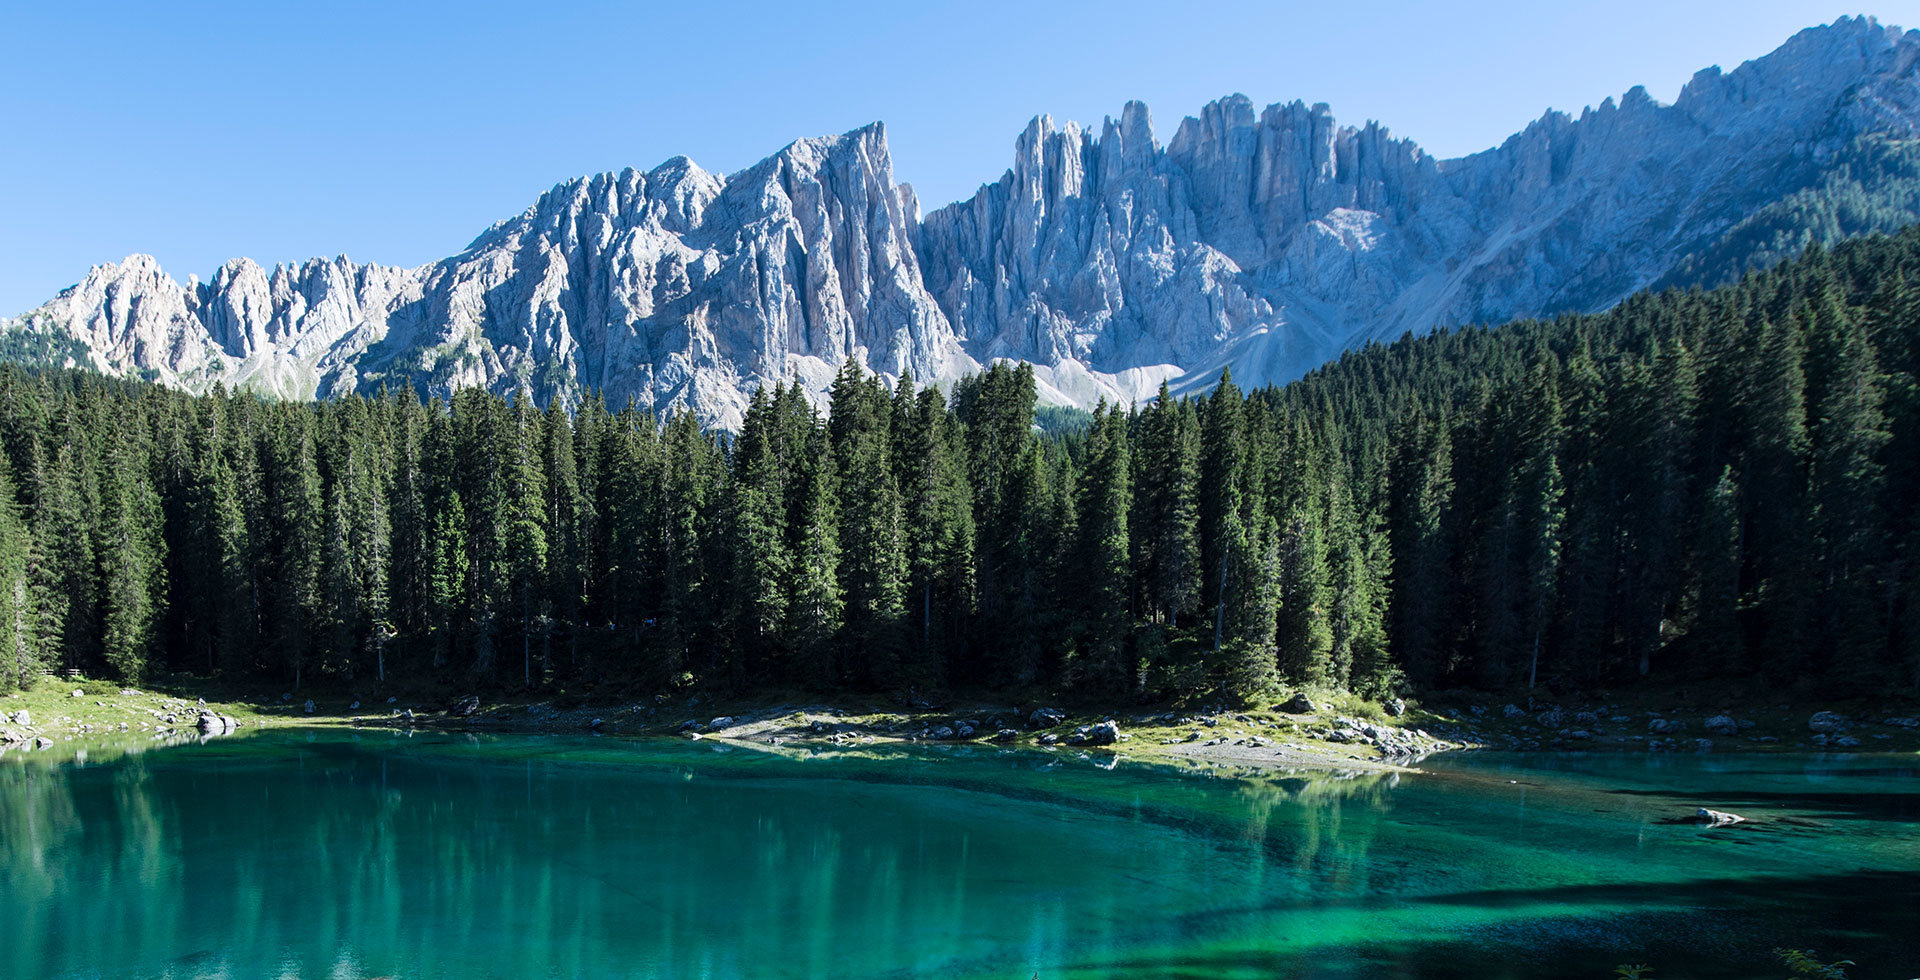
{"type": "Point", "coordinates": [1265, 240]}
{"type": "Point", "coordinates": [1829, 722]}
{"type": "Point", "coordinates": [1046, 718]}
{"type": "Point", "coordinates": [1103, 733]}
{"type": "Point", "coordinates": [1299, 704]}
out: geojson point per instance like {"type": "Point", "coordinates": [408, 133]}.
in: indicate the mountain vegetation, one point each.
{"type": "Point", "coordinates": [1695, 485]}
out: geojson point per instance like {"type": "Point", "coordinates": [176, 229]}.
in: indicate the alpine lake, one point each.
{"type": "Point", "coordinates": [361, 854]}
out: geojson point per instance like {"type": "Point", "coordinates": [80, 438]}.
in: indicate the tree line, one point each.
{"type": "Point", "coordinates": [1693, 485]}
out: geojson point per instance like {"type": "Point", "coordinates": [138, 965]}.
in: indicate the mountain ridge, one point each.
{"type": "Point", "coordinates": [1267, 240]}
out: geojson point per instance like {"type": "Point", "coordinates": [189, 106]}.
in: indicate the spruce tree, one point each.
{"type": "Point", "coordinates": [1103, 583]}
{"type": "Point", "coordinates": [19, 642]}
{"type": "Point", "coordinates": [132, 561]}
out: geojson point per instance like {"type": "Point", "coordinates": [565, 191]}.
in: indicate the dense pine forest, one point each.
{"type": "Point", "coordinates": [1693, 486]}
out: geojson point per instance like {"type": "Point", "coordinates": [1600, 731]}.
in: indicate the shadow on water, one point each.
{"type": "Point", "coordinates": [1902, 807]}
{"type": "Point", "coordinates": [1729, 932]}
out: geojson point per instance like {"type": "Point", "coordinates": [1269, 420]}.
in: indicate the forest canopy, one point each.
{"type": "Point", "coordinates": [1692, 485]}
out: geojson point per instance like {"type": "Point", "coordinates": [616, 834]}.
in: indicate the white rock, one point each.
{"type": "Point", "coordinates": [1269, 241]}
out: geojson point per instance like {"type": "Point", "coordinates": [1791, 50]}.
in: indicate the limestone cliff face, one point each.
{"type": "Point", "coordinates": [1273, 240]}
{"type": "Point", "coordinates": [1267, 240]}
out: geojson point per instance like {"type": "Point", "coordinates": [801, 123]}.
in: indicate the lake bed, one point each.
{"type": "Point", "coordinates": [341, 854]}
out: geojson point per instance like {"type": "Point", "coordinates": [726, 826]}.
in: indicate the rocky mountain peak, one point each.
{"type": "Point", "coordinates": [1269, 239]}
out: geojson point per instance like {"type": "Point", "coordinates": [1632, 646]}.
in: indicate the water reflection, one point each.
{"type": "Point", "coordinates": [381, 854]}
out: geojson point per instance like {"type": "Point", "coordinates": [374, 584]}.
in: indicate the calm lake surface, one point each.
{"type": "Point", "coordinates": [341, 855]}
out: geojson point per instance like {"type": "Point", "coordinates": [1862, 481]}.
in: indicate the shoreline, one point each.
{"type": "Point", "coordinates": [1306, 734]}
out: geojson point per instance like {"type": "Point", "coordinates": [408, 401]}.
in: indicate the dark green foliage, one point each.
{"type": "Point", "coordinates": [1871, 186]}
{"type": "Point", "coordinates": [1693, 486]}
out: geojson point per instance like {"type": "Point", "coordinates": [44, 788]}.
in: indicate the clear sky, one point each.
{"type": "Point", "coordinates": [395, 132]}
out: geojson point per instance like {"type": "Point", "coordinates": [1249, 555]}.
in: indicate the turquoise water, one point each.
{"type": "Point", "coordinates": [365, 855]}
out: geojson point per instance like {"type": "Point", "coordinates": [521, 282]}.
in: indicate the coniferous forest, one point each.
{"type": "Point", "coordinates": [1692, 486]}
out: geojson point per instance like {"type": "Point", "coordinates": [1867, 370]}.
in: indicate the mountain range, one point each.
{"type": "Point", "coordinates": [1268, 240]}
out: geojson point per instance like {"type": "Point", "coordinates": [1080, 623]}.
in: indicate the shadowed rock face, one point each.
{"type": "Point", "coordinates": [1266, 240]}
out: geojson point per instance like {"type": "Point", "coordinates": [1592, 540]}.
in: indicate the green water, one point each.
{"type": "Point", "coordinates": [372, 855]}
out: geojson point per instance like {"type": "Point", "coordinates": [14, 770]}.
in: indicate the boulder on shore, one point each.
{"type": "Point", "coordinates": [22, 718]}
{"type": "Point", "coordinates": [1829, 722]}
{"type": "Point", "coordinates": [1722, 725]}
{"type": "Point", "coordinates": [1665, 726]}
{"type": "Point", "coordinates": [1299, 704]}
{"type": "Point", "coordinates": [214, 724]}
{"type": "Point", "coordinates": [466, 706]}
{"type": "Point", "coordinates": [1104, 733]}
{"type": "Point", "coordinates": [1046, 718]}
{"type": "Point", "coordinates": [1716, 818]}
{"type": "Point", "coordinates": [1005, 735]}
{"type": "Point", "coordinates": [1395, 707]}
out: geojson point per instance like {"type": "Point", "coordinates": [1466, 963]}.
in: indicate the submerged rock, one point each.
{"type": "Point", "coordinates": [1717, 818]}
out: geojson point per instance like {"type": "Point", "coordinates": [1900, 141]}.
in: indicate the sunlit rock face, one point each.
{"type": "Point", "coordinates": [1265, 240]}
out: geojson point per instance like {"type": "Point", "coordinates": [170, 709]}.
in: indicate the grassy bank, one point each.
{"type": "Point", "coordinates": [1339, 732]}
{"type": "Point", "coordinates": [61, 709]}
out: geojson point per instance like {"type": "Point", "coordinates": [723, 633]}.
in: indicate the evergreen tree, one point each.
{"type": "Point", "coordinates": [1422, 489]}
{"type": "Point", "coordinates": [1103, 582]}
{"type": "Point", "coordinates": [1168, 542]}
{"type": "Point", "coordinates": [19, 640]}
{"type": "Point", "coordinates": [132, 556]}
{"type": "Point", "coordinates": [873, 562]}
{"type": "Point", "coordinates": [815, 605]}
{"type": "Point", "coordinates": [937, 504]}
{"type": "Point", "coordinates": [761, 561]}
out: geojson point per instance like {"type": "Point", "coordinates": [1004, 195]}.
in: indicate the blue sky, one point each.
{"type": "Point", "coordinates": [396, 132]}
